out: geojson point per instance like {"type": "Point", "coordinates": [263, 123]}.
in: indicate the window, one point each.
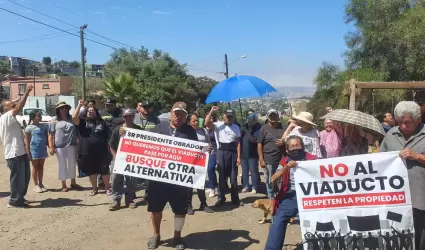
{"type": "Point", "coordinates": [21, 89]}
{"type": "Point", "coordinates": [29, 111]}
{"type": "Point", "coordinates": [46, 86]}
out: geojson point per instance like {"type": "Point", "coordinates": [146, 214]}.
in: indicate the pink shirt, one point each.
{"type": "Point", "coordinates": [330, 143]}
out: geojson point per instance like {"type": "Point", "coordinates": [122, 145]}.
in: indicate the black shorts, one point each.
{"type": "Point", "coordinates": [160, 193]}
{"type": "Point", "coordinates": [91, 165]}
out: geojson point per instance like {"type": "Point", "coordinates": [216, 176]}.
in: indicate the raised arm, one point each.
{"type": "Point", "coordinates": [18, 108]}
{"type": "Point", "coordinates": [27, 142]}
{"type": "Point", "coordinates": [208, 121]}
{"type": "Point", "coordinates": [76, 115]}
{"type": "Point", "coordinates": [289, 130]}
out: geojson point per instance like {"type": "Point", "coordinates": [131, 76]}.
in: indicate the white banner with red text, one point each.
{"type": "Point", "coordinates": [353, 197]}
{"type": "Point", "coordinates": [162, 158]}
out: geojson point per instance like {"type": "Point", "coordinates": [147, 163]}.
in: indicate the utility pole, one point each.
{"type": "Point", "coordinates": [226, 63]}
{"type": "Point", "coordinates": [83, 59]}
{"type": "Point", "coordinates": [33, 74]}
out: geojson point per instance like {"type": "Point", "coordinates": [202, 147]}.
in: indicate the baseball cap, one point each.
{"type": "Point", "coordinates": [272, 111]}
{"type": "Point", "coordinates": [179, 106]}
{"type": "Point", "coordinates": [110, 100]}
{"type": "Point", "coordinates": [128, 112]}
{"type": "Point", "coordinates": [229, 112]}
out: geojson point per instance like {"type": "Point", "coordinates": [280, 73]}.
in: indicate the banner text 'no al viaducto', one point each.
{"type": "Point", "coordinates": [360, 194]}
{"type": "Point", "coordinates": [162, 158]}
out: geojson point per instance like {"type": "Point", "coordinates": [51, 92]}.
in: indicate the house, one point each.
{"type": "Point", "coordinates": [95, 70]}
{"type": "Point", "coordinates": [56, 85]}
{"type": "Point", "coordinates": [20, 66]}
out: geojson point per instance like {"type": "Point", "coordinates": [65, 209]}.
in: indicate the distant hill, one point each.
{"type": "Point", "coordinates": [292, 92]}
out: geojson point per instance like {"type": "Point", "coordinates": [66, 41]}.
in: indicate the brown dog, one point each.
{"type": "Point", "coordinates": [266, 205]}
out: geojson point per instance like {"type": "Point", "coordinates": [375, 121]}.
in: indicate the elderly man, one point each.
{"type": "Point", "coordinates": [160, 192]}
{"type": "Point", "coordinates": [409, 138]}
{"type": "Point", "coordinates": [16, 157]}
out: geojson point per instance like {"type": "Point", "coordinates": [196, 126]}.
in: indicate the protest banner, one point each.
{"type": "Point", "coordinates": [162, 158]}
{"type": "Point", "coordinates": [354, 196]}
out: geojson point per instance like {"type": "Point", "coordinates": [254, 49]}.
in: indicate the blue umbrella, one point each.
{"type": "Point", "coordinates": [238, 87]}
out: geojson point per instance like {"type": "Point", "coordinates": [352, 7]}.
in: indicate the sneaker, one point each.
{"type": "Point", "coordinates": [43, 188]}
{"type": "Point", "coordinates": [206, 209]}
{"type": "Point", "coordinates": [17, 206]}
{"type": "Point", "coordinates": [245, 190]}
{"type": "Point", "coordinates": [38, 189]}
{"type": "Point", "coordinates": [254, 191]}
{"type": "Point", "coordinates": [114, 205]}
{"type": "Point", "coordinates": [153, 242]}
{"type": "Point", "coordinates": [190, 210]}
{"type": "Point", "coordinates": [179, 244]}
{"type": "Point", "coordinates": [213, 193]}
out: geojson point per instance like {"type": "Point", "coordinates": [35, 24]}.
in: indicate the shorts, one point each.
{"type": "Point", "coordinates": [92, 165]}
{"type": "Point", "coordinates": [160, 193]}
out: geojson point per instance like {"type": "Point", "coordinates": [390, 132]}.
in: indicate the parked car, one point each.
{"type": "Point", "coordinates": [24, 116]}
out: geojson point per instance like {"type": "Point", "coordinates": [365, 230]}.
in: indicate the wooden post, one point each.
{"type": "Point", "coordinates": [352, 85]}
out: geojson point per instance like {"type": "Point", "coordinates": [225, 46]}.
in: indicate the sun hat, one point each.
{"type": "Point", "coordinates": [306, 117]}
{"type": "Point", "coordinates": [179, 106]}
{"type": "Point", "coordinates": [62, 104]}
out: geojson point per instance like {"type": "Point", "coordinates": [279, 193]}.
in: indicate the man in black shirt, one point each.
{"type": "Point", "coordinates": [112, 115]}
{"type": "Point", "coordinates": [118, 179]}
{"type": "Point", "coordinates": [160, 193]}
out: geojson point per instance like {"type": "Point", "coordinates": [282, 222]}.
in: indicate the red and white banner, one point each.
{"type": "Point", "coordinates": [162, 158]}
{"type": "Point", "coordinates": [359, 194]}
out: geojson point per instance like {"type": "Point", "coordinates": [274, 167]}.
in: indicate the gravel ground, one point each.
{"type": "Point", "coordinates": [74, 220]}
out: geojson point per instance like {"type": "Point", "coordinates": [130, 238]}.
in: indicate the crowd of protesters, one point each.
{"type": "Point", "coordinates": [89, 139]}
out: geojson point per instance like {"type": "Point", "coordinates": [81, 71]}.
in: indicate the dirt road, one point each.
{"type": "Point", "coordinates": [74, 220]}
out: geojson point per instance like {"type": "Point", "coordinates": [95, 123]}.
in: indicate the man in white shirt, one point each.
{"type": "Point", "coordinates": [14, 150]}
{"type": "Point", "coordinates": [228, 136]}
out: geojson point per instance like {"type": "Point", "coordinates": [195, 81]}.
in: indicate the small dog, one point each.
{"type": "Point", "coordinates": [266, 205]}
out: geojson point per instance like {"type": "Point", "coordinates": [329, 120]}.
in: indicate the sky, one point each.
{"type": "Point", "coordinates": [283, 42]}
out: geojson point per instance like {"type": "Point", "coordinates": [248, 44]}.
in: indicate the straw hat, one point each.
{"type": "Point", "coordinates": [306, 117]}
{"type": "Point", "coordinates": [62, 104]}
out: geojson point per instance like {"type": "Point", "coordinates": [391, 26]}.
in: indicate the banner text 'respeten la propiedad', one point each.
{"type": "Point", "coordinates": [162, 158]}
{"type": "Point", "coordinates": [364, 193]}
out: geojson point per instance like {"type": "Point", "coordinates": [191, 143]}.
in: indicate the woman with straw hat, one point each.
{"type": "Point", "coordinates": [303, 126]}
{"type": "Point", "coordinates": [62, 141]}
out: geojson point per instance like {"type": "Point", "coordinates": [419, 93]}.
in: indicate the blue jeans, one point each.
{"type": "Point", "coordinates": [19, 178]}
{"type": "Point", "coordinates": [118, 189]}
{"type": "Point", "coordinates": [250, 165]}
{"type": "Point", "coordinates": [287, 209]}
{"type": "Point", "coordinates": [212, 176]}
{"type": "Point", "coordinates": [269, 172]}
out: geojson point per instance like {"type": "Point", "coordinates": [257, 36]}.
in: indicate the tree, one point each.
{"type": "Point", "coordinates": [47, 60]}
{"type": "Point", "coordinates": [159, 78]}
{"type": "Point", "coordinates": [74, 64]}
{"type": "Point", "coordinates": [122, 88]}
{"type": "Point", "coordinates": [94, 86]}
{"type": "Point", "coordinates": [4, 68]}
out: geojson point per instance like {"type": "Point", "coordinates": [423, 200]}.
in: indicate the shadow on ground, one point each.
{"type": "Point", "coordinates": [4, 194]}
{"type": "Point", "coordinates": [218, 240]}
{"type": "Point", "coordinates": [63, 202]}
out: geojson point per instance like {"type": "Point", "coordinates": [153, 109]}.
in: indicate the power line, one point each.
{"type": "Point", "coordinates": [203, 70]}
{"type": "Point", "coordinates": [59, 20]}
{"type": "Point", "coordinates": [36, 38]}
{"type": "Point", "coordinates": [53, 27]}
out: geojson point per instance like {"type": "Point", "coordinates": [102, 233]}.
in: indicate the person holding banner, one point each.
{"type": "Point", "coordinates": [160, 192]}
{"type": "Point", "coordinates": [228, 154]}
{"type": "Point", "coordinates": [285, 203]}
{"type": "Point", "coordinates": [118, 179]}
{"type": "Point", "coordinates": [409, 138]}
{"type": "Point", "coordinates": [202, 137]}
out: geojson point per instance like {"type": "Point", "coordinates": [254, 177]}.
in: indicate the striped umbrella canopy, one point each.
{"type": "Point", "coordinates": [356, 118]}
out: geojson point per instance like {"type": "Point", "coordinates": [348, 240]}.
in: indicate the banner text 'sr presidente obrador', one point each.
{"type": "Point", "coordinates": [162, 158]}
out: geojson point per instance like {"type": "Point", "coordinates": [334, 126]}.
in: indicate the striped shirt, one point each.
{"type": "Point", "coordinates": [394, 141]}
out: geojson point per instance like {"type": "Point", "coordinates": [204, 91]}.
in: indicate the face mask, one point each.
{"type": "Point", "coordinates": [296, 154]}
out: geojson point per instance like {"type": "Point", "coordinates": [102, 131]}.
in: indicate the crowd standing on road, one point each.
{"type": "Point", "coordinates": [89, 139]}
